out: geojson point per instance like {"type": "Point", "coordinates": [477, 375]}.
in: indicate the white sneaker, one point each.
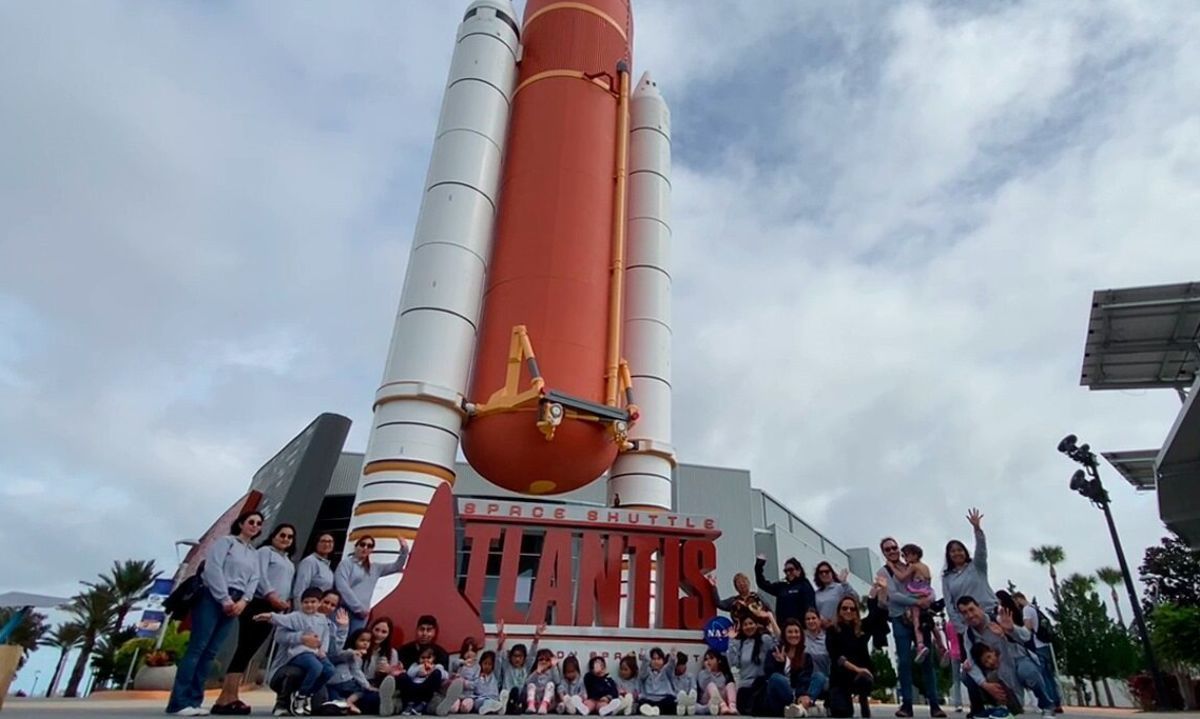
{"type": "Point", "coordinates": [300, 705]}
{"type": "Point", "coordinates": [612, 707]}
{"type": "Point", "coordinates": [1048, 712]}
{"type": "Point", "coordinates": [454, 692]}
{"type": "Point", "coordinates": [627, 704]}
{"type": "Point", "coordinates": [565, 706]}
{"type": "Point", "coordinates": [387, 696]}
{"type": "Point", "coordinates": [503, 701]}
{"type": "Point", "coordinates": [578, 704]}
{"type": "Point", "coordinates": [189, 712]}
{"type": "Point", "coordinates": [714, 705]}
{"type": "Point", "coordinates": [490, 706]}
{"type": "Point", "coordinates": [646, 710]}
{"type": "Point", "coordinates": [281, 712]}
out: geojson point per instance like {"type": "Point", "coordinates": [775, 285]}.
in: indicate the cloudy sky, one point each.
{"type": "Point", "coordinates": [890, 218]}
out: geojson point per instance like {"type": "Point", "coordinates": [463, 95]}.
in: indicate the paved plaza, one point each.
{"type": "Point", "coordinates": [262, 702]}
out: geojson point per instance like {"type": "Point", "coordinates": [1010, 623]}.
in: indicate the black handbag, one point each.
{"type": "Point", "coordinates": [183, 597]}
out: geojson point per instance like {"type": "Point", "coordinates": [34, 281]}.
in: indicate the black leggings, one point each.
{"type": "Point", "coordinates": [251, 635]}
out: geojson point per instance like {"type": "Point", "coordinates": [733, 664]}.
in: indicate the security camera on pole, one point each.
{"type": "Point", "coordinates": [1086, 482]}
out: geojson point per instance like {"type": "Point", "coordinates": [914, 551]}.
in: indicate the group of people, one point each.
{"type": "Point", "coordinates": [813, 644]}
{"type": "Point", "coordinates": [312, 607]}
{"type": "Point", "coordinates": [995, 643]}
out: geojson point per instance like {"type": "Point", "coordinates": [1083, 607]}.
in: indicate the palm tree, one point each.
{"type": "Point", "coordinates": [1049, 555]}
{"type": "Point", "coordinates": [27, 633]}
{"type": "Point", "coordinates": [64, 638]}
{"type": "Point", "coordinates": [94, 610]}
{"type": "Point", "coordinates": [127, 582]}
{"type": "Point", "coordinates": [1112, 577]}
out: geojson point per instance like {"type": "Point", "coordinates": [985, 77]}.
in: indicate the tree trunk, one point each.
{"type": "Point", "coordinates": [85, 653]}
{"type": "Point", "coordinates": [1054, 582]}
{"type": "Point", "coordinates": [58, 670]}
{"type": "Point", "coordinates": [1095, 691]}
{"type": "Point", "coordinates": [1117, 604]}
{"type": "Point", "coordinates": [1107, 692]}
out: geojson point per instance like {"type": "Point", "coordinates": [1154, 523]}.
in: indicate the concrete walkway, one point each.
{"type": "Point", "coordinates": [147, 704]}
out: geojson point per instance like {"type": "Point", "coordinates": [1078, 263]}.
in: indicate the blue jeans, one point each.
{"type": "Point", "coordinates": [816, 687]}
{"type": "Point", "coordinates": [956, 682]}
{"type": "Point", "coordinates": [317, 671]}
{"type": "Point", "coordinates": [905, 652]}
{"type": "Point", "coordinates": [778, 695]}
{"type": "Point", "coordinates": [1030, 674]}
{"type": "Point", "coordinates": [1046, 654]}
{"type": "Point", "coordinates": [210, 629]}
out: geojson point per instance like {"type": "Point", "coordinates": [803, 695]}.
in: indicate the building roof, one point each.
{"type": "Point", "coordinates": [25, 599]}
{"type": "Point", "coordinates": [1136, 466]}
{"type": "Point", "coordinates": [1143, 338]}
{"type": "Point", "coordinates": [1178, 469]}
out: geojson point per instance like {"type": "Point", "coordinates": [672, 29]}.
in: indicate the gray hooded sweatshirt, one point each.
{"type": "Point", "coordinates": [970, 580]}
{"type": "Point", "coordinates": [657, 683]}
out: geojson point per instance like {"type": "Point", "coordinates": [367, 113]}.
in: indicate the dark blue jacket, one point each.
{"type": "Point", "coordinates": [792, 599]}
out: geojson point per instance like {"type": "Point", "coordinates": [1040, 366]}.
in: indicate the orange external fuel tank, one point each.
{"type": "Point", "coordinates": [552, 254]}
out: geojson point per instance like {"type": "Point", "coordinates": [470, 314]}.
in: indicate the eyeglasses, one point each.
{"type": "Point", "coordinates": [253, 522]}
{"type": "Point", "coordinates": [281, 535]}
{"type": "Point", "coordinates": [892, 548]}
{"type": "Point", "coordinates": [365, 544]}
{"type": "Point", "coordinates": [825, 571]}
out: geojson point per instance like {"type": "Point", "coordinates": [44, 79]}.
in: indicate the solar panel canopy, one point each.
{"type": "Point", "coordinates": [1143, 338]}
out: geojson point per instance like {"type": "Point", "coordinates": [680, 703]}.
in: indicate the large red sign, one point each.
{"type": "Point", "coordinates": [665, 559]}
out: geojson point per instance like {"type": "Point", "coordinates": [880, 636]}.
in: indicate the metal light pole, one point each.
{"type": "Point", "coordinates": [1086, 482]}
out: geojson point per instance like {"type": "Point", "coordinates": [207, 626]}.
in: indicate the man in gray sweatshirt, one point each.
{"type": "Point", "coordinates": [1018, 668]}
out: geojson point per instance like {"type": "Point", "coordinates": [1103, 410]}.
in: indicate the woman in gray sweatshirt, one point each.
{"type": "Point", "coordinates": [231, 574]}
{"type": "Point", "coordinates": [315, 570]}
{"type": "Point", "coordinates": [748, 651]}
{"type": "Point", "coordinates": [356, 577]}
{"type": "Point", "coordinates": [273, 594]}
{"type": "Point", "coordinates": [965, 576]}
{"type": "Point", "coordinates": [830, 588]}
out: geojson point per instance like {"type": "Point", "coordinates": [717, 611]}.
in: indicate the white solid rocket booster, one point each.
{"type": "Point", "coordinates": [419, 407]}
{"type": "Point", "coordinates": [641, 477]}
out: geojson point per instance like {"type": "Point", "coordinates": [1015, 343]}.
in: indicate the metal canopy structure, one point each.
{"type": "Point", "coordinates": [1143, 338]}
{"type": "Point", "coordinates": [1178, 468]}
{"type": "Point", "coordinates": [1136, 466]}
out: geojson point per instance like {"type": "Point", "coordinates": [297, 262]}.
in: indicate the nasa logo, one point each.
{"type": "Point", "coordinates": [716, 633]}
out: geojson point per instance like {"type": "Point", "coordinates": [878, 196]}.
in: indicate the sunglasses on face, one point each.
{"type": "Point", "coordinates": [825, 571]}
{"type": "Point", "coordinates": [254, 522]}
{"type": "Point", "coordinates": [891, 549]}
{"type": "Point", "coordinates": [366, 545]}
{"type": "Point", "coordinates": [850, 609]}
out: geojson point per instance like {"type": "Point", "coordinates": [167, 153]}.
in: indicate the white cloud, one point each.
{"type": "Point", "coordinates": [888, 223]}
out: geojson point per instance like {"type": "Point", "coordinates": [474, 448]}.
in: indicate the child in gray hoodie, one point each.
{"type": "Point", "coordinates": [571, 691]}
{"type": "Point", "coordinates": [685, 687]}
{"type": "Point", "coordinates": [628, 684]}
{"type": "Point", "coordinates": [349, 686]}
{"type": "Point", "coordinates": [657, 695]}
{"type": "Point", "coordinates": [539, 685]}
{"type": "Point", "coordinates": [514, 670]}
{"type": "Point", "coordinates": [316, 665]}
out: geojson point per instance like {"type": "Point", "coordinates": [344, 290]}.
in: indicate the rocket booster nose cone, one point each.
{"type": "Point", "coordinates": [646, 87]}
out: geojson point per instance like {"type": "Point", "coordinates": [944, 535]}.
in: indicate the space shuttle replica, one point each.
{"type": "Point", "coordinates": [534, 325]}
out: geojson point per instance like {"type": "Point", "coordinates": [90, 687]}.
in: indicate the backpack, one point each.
{"type": "Point", "coordinates": [1045, 632]}
{"type": "Point", "coordinates": [183, 597]}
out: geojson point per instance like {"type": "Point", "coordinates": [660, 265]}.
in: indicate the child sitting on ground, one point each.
{"type": "Point", "coordinates": [425, 678]}
{"type": "Point", "coordinates": [602, 694]}
{"type": "Point", "coordinates": [513, 669]}
{"type": "Point", "coordinates": [349, 685]}
{"type": "Point", "coordinates": [917, 581]}
{"type": "Point", "coordinates": [466, 667]}
{"type": "Point", "coordinates": [317, 667]}
{"type": "Point", "coordinates": [627, 683]}
{"type": "Point", "coordinates": [656, 693]}
{"type": "Point", "coordinates": [716, 685]}
{"type": "Point", "coordinates": [486, 692]}
{"type": "Point", "coordinates": [571, 692]}
{"type": "Point", "coordinates": [685, 687]}
{"type": "Point", "coordinates": [539, 685]}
